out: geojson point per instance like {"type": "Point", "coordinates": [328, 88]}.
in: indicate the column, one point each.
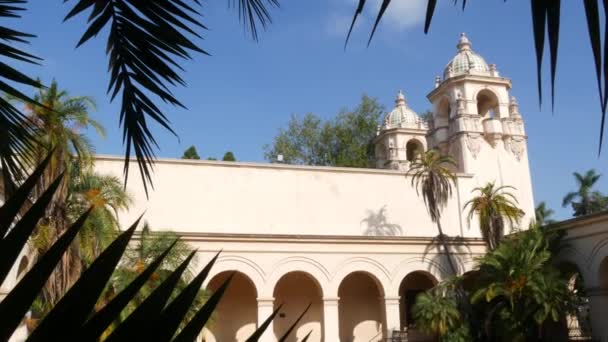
{"type": "Point", "coordinates": [331, 319]}
{"type": "Point", "coordinates": [598, 311]}
{"type": "Point", "coordinates": [393, 317]}
{"type": "Point", "coordinates": [265, 309]}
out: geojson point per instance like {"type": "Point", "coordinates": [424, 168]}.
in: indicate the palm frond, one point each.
{"type": "Point", "coordinates": [16, 134]}
{"type": "Point", "coordinates": [253, 13]}
{"type": "Point", "coordinates": [145, 39]}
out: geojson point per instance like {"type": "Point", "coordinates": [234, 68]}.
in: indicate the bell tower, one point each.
{"type": "Point", "coordinates": [400, 138]}
{"type": "Point", "coordinates": [478, 123]}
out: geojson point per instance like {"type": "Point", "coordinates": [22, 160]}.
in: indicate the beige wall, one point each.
{"type": "Point", "coordinates": [235, 318]}
{"type": "Point", "coordinates": [353, 282]}
{"type": "Point", "coordinates": [247, 198]}
{"type": "Point", "coordinates": [295, 291]}
{"type": "Point", "coordinates": [587, 239]}
{"type": "Point", "coordinates": [361, 309]}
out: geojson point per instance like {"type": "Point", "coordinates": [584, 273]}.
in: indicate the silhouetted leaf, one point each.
{"type": "Point", "coordinates": [191, 331]}
{"type": "Point", "coordinates": [293, 326]}
{"type": "Point", "coordinates": [430, 10]}
{"type": "Point", "coordinates": [553, 19]}
{"type": "Point", "coordinates": [15, 202]}
{"type": "Point", "coordinates": [539, 17]}
{"type": "Point", "coordinates": [95, 326]}
{"type": "Point", "coordinates": [145, 39]}
{"type": "Point", "coordinates": [150, 308]}
{"type": "Point", "coordinates": [258, 333]}
{"type": "Point", "coordinates": [75, 306]}
{"type": "Point", "coordinates": [16, 134]}
{"type": "Point", "coordinates": [306, 337]}
{"type": "Point", "coordinates": [383, 8]}
{"type": "Point", "coordinates": [21, 297]}
{"type": "Point", "coordinates": [173, 314]}
{"type": "Point", "coordinates": [358, 12]}
{"type": "Point", "coordinates": [252, 12]}
{"type": "Point", "coordinates": [13, 242]}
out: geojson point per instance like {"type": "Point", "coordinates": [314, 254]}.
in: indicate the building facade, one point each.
{"type": "Point", "coordinates": [358, 244]}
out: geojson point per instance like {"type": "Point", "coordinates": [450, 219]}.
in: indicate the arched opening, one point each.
{"type": "Point", "coordinates": [575, 325]}
{"type": "Point", "coordinates": [443, 113]}
{"type": "Point", "coordinates": [469, 280]}
{"type": "Point", "coordinates": [237, 311]}
{"type": "Point", "coordinates": [487, 104]}
{"type": "Point", "coordinates": [361, 308]}
{"type": "Point", "coordinates": [413, 148]}
{"type": "Point", "coordinates": [411, 286]}
{"type": "Point", "coordinates": [295, 290]}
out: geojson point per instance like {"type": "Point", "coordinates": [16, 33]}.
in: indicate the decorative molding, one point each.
{"type": "Point", "coordinates": [517, 145]}
{"type": "Point", "coordinates": [473, 142]}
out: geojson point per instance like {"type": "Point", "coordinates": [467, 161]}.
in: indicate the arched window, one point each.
{"type": "Point", "coordinates": [487, 104]}
{"type": "Point", "coordinates": [413, 148]}
{"type": "Point", "coordinates": [443, 113]}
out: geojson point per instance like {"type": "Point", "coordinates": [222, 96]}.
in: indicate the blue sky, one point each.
{"type": "Point", "coordinates": [239, 97]}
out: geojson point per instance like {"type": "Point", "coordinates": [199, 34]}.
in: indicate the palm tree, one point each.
{"type": "Point", "coordinates": [589, 201]}
{"type": "Point", "coordinates": [543, 214]}
{"type": "Point", "coordinates": [59, 120]}
{"type": "Point", "coordinates": [519, 288]}
{"type": "Point", "coordinates": [493, 206]}
{"type": "Point", "coordinates": [152, 245]}
{"type": "Point", "coordinates": [106, 195]}
{"type": "Point", "coordinates": [432, 177]}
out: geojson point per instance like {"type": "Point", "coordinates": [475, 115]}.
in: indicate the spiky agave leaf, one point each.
{"type": "Point", "coordinates": [21, 297]}
{"type": "Point", "coordinates": [77, 304]}
{"type": "Point", "coordinates": [95, 326]}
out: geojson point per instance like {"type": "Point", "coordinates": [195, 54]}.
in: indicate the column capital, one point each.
{"type": "Point", "coordinates": [331, 300]}
{"type": "Point", "coordinates": [392, 300]}
{"type": "Point", "coordinates": [265, 301]}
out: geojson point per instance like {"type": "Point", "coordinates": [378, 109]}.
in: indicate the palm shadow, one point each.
{"type": "Point", "coordinates": [378, 225]}
{"type": "Point", "coordinates": [456, 247]}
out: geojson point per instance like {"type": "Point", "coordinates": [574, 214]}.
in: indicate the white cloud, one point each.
{"type": "Point", "coordinates": [403, 14]}
{"type": "Point", "coordinates": [400, 15]}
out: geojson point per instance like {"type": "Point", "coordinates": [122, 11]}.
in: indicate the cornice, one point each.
{"type": "Point", "coordinates": [250, 165]}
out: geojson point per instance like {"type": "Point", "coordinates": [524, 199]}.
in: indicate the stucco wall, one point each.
{"type": "Point", "coordinates": [248, 198]}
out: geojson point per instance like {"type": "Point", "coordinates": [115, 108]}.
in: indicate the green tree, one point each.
{"type": "Point", "coordinates": [229, 156]}
{"type": "Point", "coordinates": [585, 200]}
{"type": "Point", "coordinates": [150, 246]}
{"type": "Point", "coordinates": [543, 214]}
{"type": "Point", "coordinates": [493, 206]}
{"type": "Point", "coordinates": [437, 311]}
{"type": "Point", "coordinates": [519, 289]}
{"type": "Point", "coordinates": [346, 140]}
{"type": "Point", "coordinates": [427, 116]}
{"type": "Point", "coordinates": [432, 177]}
{"type": "Point", "coordinates": [190, 153]}
{"type": "Point", "coordinates": [106, 196]}
{"type": "Point", "coordinates": [60, 122]}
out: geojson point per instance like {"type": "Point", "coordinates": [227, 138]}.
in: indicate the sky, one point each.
{"type": "Point", "coordinates": [240, 96]}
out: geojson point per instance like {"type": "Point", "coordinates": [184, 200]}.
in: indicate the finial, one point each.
{"type": "Point", "coordinates": [514, 107]}
{"type": "Point", "coordinates": [400, 101]}
{"type": "Point", "coordinates": [437, 81]}
{"type": "Point", "coordinates": [463, 43]}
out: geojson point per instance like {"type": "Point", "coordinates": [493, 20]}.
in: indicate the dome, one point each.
{"type": "Point", "coordinates": [401, 115]}
{"type": "Point", "coordinates": [466, 61]}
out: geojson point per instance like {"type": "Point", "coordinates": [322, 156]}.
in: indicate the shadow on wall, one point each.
{"type": "Point", "coordinates": [378, 225]}
{"type": "Point", "coordinates": [457, 247]}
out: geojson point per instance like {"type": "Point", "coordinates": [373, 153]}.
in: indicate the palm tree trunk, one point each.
{"type": "Point", "coordinates": [444, 244]}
